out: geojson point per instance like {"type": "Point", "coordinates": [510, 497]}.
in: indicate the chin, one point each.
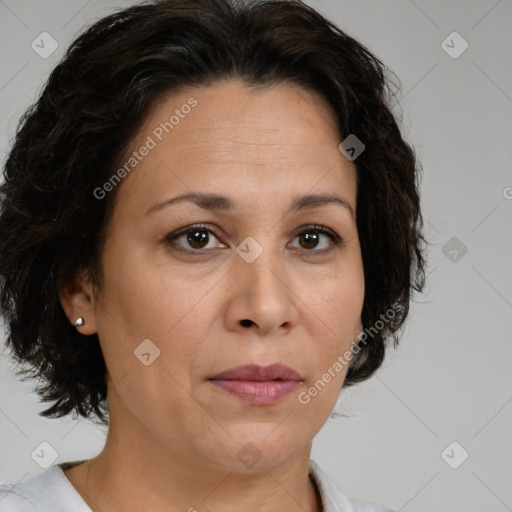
{"type": "Point", "coordinates": [256, 452]}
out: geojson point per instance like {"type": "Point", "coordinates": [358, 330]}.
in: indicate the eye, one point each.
{"type": "Point", "coordinates": [195, 238]}
{"type": "Point", "coordinates": [198, 239]}
{"type": "Point", "coordinates": [311, 237]}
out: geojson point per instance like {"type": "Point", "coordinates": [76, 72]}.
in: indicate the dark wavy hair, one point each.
{"type": "Point", "coordinates": [74, 136]}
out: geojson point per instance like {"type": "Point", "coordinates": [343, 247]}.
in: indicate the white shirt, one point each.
{"type": "Point", "coordinates": [51, 491]}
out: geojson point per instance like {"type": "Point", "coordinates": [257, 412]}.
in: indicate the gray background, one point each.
{"type": "Point", "coordinates": [450, 380]}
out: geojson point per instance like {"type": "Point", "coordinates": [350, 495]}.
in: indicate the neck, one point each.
{"type": "Point", "coordinates": [135, 472]}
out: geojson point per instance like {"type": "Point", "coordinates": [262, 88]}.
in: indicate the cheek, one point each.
{"type": "Point", "coordinates": [153, 302]}
{"type": "Point", "coordinates": [334, 312]}
{"type": "Point", "coordinates": [144, 303]}
{"type": "Point", "coordinates": [149, 301]}
{"type": "Point", "coordinates": [336, 302]}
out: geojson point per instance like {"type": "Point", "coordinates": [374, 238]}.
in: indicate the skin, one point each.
{"type": "Point", "coordinates": [173, 436]}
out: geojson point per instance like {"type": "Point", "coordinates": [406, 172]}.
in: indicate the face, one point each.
{"type": "Point", "coordinates": [247, 279]}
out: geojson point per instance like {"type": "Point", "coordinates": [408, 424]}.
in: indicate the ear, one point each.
{"type": "Point", "coordinates": [76, 295]}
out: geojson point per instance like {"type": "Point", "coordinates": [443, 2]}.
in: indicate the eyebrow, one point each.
{"type": "Point", "coordinates": [216, 202]}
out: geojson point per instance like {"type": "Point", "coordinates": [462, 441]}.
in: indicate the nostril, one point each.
{"type": "Point", "coordinates": [246, 323]}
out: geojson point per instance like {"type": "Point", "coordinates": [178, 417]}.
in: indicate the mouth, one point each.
{"type": "Point", "coordinates": [258, 385]}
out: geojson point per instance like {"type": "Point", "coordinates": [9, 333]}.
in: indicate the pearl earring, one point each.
{"type": "Point", "coordinates": [79, 321]}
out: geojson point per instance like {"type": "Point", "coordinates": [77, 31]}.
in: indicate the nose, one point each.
{"type": "Point", "coordinates": [262, 296]}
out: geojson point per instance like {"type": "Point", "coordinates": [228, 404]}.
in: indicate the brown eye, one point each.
{"type": "Point", "coordinates": [311, 239]}
{"type": "Point", "coordinates": [193, 238]}
{"type": "Point", "coordinates": [198, 238]}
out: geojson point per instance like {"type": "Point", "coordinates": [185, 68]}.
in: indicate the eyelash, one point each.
{"type": "Point", "coordinates": [334, 237]}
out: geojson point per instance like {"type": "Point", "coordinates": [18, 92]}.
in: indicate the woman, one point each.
{"type": "Point", "coordinates": [210, 224]}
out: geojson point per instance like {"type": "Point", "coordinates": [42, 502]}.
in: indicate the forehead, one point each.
{"type": "Point", "coordinates": [230, 136]}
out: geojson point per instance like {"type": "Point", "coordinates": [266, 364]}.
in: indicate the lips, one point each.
{"type": "Point", "coordinates": [254, 372]}
{"type": "Point", "coordinates": [258, 385]}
